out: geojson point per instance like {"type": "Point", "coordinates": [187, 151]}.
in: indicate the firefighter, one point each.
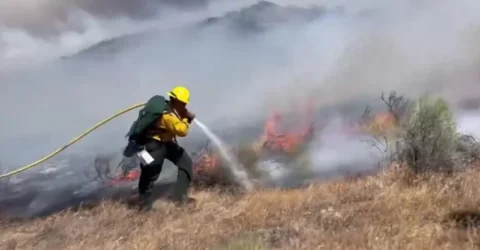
{"type": "Point", "coordinates": [161, 144]}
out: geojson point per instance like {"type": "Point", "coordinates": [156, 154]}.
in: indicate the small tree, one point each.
{"type": "Point", "coordinates": [428, 141]}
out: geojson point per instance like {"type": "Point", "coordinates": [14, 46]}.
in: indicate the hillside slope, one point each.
{"type": "Point", "coordinates": [392, 210]}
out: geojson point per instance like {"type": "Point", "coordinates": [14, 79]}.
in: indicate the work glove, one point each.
{"type": "Point", "coordinates": [190, 116]}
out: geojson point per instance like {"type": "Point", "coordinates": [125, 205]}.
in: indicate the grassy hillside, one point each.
{"type": "Point", "coordinates": [429, 201]}
{"type": "Point", "coordinates": [392, 210]}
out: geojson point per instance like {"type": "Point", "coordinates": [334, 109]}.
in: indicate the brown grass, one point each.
{"type": "Point", "coordinates": [393, 210]}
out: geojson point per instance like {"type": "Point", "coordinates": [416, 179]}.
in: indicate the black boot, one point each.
{"type": "Point", "coordinates": [145, 201]}
{"type": "Point", "coordinates": [184, 201]}
{"type": "Point", "coordinates": [188, 200]}
{"type": "Point", "coordinates": [180, 189]}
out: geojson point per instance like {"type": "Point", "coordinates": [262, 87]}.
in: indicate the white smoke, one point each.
{"type": "Point", "coordinates": [75, 29]}
{"type": "Point", "coordinates": [469, 123]}
{"type": "Point", "coordinates": [363, 49]}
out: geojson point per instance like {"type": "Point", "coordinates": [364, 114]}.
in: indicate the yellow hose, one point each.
{"type": "Point", "coordinates": [74, 140]}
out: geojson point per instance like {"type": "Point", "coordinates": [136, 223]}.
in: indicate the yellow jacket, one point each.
{"type": "Point", "coordinates": [169, 127]}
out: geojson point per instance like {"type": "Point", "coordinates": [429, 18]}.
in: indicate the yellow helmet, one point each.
{"type": "Point", "coordinates": [180, 93]}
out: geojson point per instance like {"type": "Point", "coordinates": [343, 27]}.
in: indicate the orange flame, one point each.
{"type": "Point", "coordinates": [205, 163]}
{"type": "Point", "coordinates": [381, 122]}
{"type": "Point", "coordinates": [272, 138]}
{"type": "Point", "coordinates": [275, 139]}
{"type": "Point", "coordinates": [131, 175]}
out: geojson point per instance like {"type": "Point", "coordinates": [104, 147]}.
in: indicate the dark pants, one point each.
{"type": "Point", "coordinates": [150, 173]}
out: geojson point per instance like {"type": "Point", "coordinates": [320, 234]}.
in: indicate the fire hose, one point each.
{"type": "Point", "coordinates": [73, 141]}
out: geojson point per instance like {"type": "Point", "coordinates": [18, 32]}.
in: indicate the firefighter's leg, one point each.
{"type": "Point", "coordinates": [150, 173]}
{"type": "Point", "coordinates": [183, 161]}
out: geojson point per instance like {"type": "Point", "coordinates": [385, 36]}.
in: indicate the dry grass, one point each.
{"type": "Point", "coordinates": [392, 210]}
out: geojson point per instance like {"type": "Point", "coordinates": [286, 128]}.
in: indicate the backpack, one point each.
{"type": "Point", "coordinates": [147, 116]}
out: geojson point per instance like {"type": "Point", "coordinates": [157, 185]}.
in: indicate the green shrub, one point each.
{"type": "Point", "coordinates": [429, 139]}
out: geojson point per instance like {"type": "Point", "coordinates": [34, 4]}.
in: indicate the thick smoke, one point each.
{"type": "Point", "coordinates": [52, 17]}
{"type": "Point", "coordinates": [64, 65]}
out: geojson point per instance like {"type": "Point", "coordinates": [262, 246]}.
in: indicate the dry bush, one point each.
{"type": "Point", "coordinates": [209, 169]}
{"type": "Point", "coordinates": [467, 151]}
{"type": "Point", "coordinates": [386, 123]}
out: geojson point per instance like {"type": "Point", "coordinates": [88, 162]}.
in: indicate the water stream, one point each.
{"type": "Point", "coordinates": [236, 169]}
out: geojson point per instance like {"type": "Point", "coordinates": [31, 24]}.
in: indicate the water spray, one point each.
{"type": "Point", "coordinates": [233, 165]}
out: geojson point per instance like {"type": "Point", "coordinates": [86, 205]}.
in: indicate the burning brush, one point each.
{"type": "Point", "coordinates": [273, 143]}
{"type": "Point", "coordinates": [207, 164]}
{"type": "Point", "coordinates": [275, 149]}
{"type": "Point", "coordinates": [125, 171]}
{"type": "Point", "coordinates": [207, 169]}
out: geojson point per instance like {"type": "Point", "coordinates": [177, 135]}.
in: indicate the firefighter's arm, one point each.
{"type": "Point", "coordinates": [177, 126]}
